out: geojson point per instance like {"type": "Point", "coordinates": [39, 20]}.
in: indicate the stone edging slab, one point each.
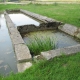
{"type": "Point", "coordinates": [67, 50]}
{"type": "Point", "coordinates": [45, 23]}
{"type": "Point", "coordinates": [71, 30]}
{"type": "Point", "coordinates": [41, 18]}
{"type": "Point", "coordinates": [21, 50]}
{"type": "Point", "coordinates": [23, 66]}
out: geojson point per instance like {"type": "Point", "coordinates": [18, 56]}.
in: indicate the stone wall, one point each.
{"type": "Point", "coordinates": [32, 28]}
{"type": "Point", "coordinates": [21, 50]}
{"type": "Point", "coordinates": [46, 23]}
{"type": "Point", "coordinates": [39, 17]}
{"type": "Point", "coordinates": [71, 30]}
{"type": "Point", "coordinates": [62, 51]}
{"type": "Point", "coordinates": [12, 11]}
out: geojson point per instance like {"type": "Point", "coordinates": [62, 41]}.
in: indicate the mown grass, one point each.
{"type": "Point", "coordinates": [67, 13]}
{"type": "Point", "coordinates": [59, 68]}
{"type": "Point", "coordinates": [38, 44]}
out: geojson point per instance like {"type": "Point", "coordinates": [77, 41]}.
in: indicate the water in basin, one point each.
{"type": "Point", "coordinates": [7, 56]}
{"type": "Point", "coordinates": [21, 19]}
{"type": "Point", "coordinates": [61, 39]}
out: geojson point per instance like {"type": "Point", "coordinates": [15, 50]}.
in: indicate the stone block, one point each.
{"type": "Point", "coordinates": [16, 37]}
{"type": "Point", "coordinates": [40, 17]}
{"type": "Point", "coordinates": [78, 35]}
{"type": "Point", "coordinates": [38, 57]}
{"type": "Point", "coordinates": [14, 34]}
{"type": "Point", "coordinates": [22, 53]}
{"type": "Point", "coordinates": [46, 55]}
{"type": "Point", "coordinates": [67, 50]}
{"type": "Point", "coordinates": [23, 66]}
{"type": "Point", "coordinates": [69, 29]}
{"type": "Point", "coordinates": [7, 18]}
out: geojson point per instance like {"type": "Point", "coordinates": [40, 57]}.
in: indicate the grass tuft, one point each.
{"type": "Point", "coordinates": [39, 44]}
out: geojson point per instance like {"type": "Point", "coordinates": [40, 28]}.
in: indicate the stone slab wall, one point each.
{"type": "Point", "coordinates": [70, 29]}
{"type": "Point", "coordinates": [46, 23]}
{"type": "Point", "coordinates": [32, 28]}
{"type": "Point", "coordinates": [21, 50]}
{"type": "Point", "coordinates": [12, 11]}
{"type": "Point", "coordinates": [39, 17]}
{"type": "Point", "coordinates": [58, 52]}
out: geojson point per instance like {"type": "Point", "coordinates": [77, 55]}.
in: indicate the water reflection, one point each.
{"type": "Point", "coordinates": [21, 19]}
{"type": "Point", "coordinates": [7, 59]}
{"type": "Point", "coordinates": [61, 39]}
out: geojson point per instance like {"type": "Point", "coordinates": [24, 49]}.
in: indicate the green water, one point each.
{"type": "Point", "coordinates": [61, 39]}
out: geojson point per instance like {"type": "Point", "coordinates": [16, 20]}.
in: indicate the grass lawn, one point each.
{"type": "Point", "coordinates": [67, 13]}
{"type": "Point", "coordinates": [59, 68]}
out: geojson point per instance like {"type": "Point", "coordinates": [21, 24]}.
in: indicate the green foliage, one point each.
{"type": "Point", "coordinates": [59, 68]}
{"type": "Point", "coordinates": [39, 44]}
{"type": "Point", "coordinates": [67, 13]}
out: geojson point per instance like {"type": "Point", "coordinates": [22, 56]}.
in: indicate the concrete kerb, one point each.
{"type": "Point", "coordinates": [21, 50]}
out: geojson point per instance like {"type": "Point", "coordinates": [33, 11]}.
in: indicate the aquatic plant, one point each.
{"type": "Point", "coordinates": [39, 44]}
